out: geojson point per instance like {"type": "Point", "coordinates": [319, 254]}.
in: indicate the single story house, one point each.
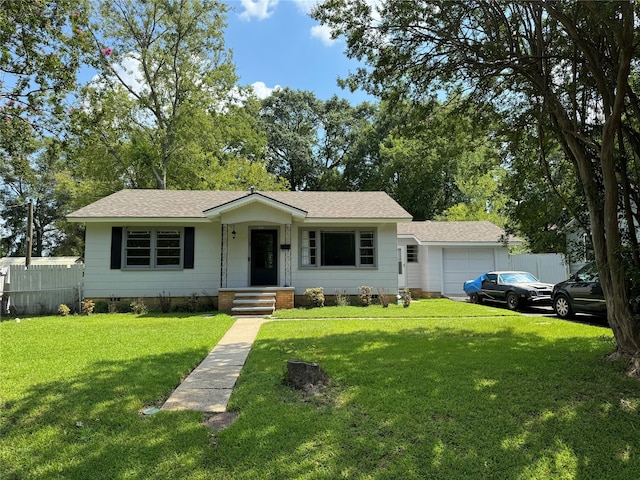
{"type": "Point", "coordinates": [246, 249]}
{"type": "Point", "coordinates": [436, 258]}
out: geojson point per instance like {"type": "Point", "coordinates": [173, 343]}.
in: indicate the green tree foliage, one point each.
{"type": "Point", "coordinates": [312, 142]}
{"type": "Point", "coordinates": [41, 45]}
{"type": "Point", "coordinates": [545, 199]}
{"type": "Point", "coordinates": [291, 119]}
{"type": "Point", "coordinates": [164, 110]}
{"type": "Point", "coordinates": [564, 66]}
{"type": "Point", "coordinates": [342, 127]}
{"type": "Point", "coordinates": [33, 177]}
{"type": "Point", "coordinates": [435, 158]}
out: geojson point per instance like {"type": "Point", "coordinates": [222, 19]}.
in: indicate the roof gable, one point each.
{"type": "Point", "coordinates": [254, 197]}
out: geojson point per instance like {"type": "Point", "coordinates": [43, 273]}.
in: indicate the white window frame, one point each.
{"type": "Point", "coordinates": [155, 248]}
{"type": "Point", "coordinates": [366, 246]}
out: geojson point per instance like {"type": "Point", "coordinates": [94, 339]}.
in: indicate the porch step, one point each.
{"type": "Point", "coordinates": [255, 294]}
{"type": "Point", "coordinates": [254, 303]}
{"type": "Point", "coordinates": [261, 301]}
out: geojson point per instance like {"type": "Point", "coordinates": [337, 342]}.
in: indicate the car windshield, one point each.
{"type": "Point", "coordinates": [517, 277]}
{"type": "Point", "coordinates": [588, 273]}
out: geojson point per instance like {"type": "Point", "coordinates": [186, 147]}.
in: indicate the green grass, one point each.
{"type": "Point", "coordinates": [72, 389]}
{"type": "Point", "coordinates": [433, 308]}
{"type": "Point", "coordinates": [513, 397]}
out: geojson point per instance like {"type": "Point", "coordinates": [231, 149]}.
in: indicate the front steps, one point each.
{"type": "Point", "coordinates": [254, 303]}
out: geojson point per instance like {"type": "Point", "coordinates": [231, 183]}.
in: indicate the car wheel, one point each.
{"type": "Point", "coordinates": [562, 307]}
{"type": "Point", "coordinates": [512, 301]}
{"type": "Point", "coordinates": [475, 298]}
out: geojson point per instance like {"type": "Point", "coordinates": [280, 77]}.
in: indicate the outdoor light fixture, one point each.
{"type": "Point", "coordinates": [233, 233]}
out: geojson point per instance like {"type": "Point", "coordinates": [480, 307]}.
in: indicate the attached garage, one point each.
{"type": "Point", "coordinates": [462, 264]}
{"type": "Point", "coordinates": [447, 254]}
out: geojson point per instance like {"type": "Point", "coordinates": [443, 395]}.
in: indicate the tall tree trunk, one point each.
{"type": "Point", "coordinates": [626, 330]}
{"type": "Point", "coordinates": [602, 198]}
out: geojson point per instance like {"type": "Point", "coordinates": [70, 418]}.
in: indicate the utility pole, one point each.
{"type": "Point", "coordinates": [27, 261]}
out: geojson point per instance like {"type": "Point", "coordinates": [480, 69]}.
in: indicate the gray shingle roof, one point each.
{"type": "Point", "coordinates": [158, 204]}
{"type": "Point", "coordinates": [454, 232]}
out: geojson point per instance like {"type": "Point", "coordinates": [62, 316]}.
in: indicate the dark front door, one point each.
{"type": "Point", "coordinates": [264, 261]}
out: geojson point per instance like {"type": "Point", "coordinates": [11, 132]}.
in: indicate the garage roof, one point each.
{"type": "Point", "coordinates": [455, 232]}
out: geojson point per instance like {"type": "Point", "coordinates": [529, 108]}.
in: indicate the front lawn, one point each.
{"type": "Point", "coordinates": [432, 308]}
{"type": "Point", "coordinates": [471, 397]}
{"type": "Point", "coordinates": [72, 389]}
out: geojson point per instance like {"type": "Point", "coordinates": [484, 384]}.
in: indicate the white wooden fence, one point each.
{"type": "Point", "coordinates": [40, 289]}
{"type": "Point", "coordinates": [547, 267]}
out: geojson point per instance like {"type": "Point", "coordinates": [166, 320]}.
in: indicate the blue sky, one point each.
{"type": "Point", "coordinates": [275, 43]}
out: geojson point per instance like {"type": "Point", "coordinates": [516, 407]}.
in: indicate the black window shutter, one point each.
{"type": "Point", "coordinates": [116, 247]}
{"type": "Point", "coordinates": [189, 244]}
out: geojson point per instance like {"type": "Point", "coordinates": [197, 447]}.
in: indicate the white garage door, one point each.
{"type": "Point", "coordinates": [462, 264]}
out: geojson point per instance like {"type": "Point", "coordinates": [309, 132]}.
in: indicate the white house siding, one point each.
{"type": "Point", "coordinates": [242, 220]}
{"type": "Point", "coordinates": [349, 279]}
{"type": "Point", "coordinates": [238, 255]}
{"type": "Point", "coordinates": [102, 282]}
{"type": "Point", "coordinates": [414, 271]}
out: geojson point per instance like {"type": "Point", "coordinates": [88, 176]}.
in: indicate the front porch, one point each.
{"type": "Point", "coordinates": [255, 300]}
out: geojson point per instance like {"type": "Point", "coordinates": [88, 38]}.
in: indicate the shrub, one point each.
{"type": "Point", "coordinates": [63, 310]}
{"type": "Point", "coordinates": [383, 298]}
{"type": "Point", "coordinates": [342, 299]}
{"type": "Point", "coordinates": [138, 306]}
{"type": "Point", "coordinates": [315, 296]}
{"type": "Point", "coordinates": [165, 302]}
{"type": "Point", "coordinates": [365, 296]}
{"type": "Point", "coordinates": [102, 306]}
{"type": "Point", "coordinates": [192, 302]}
{"type": "Point", "coordinates": [208, 303]}
{"type": "Point", "coordinates": [113, 304]}
{"type": "Point", "coordinates": [88, 306]}
{"type": "Point", "coordinates": [405, 295]}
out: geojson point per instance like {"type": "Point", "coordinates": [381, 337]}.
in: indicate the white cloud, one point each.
{"type": "Point", "coordinates": [305, 6]}
{"type": "Point", "coordinates": [322, 32]}
{"type": "Point", "coordinates": [259, 9]}
{"type": "Point", "coordinates": [262, 91]}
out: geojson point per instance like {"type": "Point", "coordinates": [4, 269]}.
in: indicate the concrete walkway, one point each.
{"type": "Point", "coordinates": [208, 387]}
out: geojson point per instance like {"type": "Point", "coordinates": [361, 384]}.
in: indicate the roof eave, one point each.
{"type": "Point", "coordinates": [134, 220]}
{"type": "Point", "coordinates": [351, 220]}
{"type": "Point", "coordinates": [458, 243]}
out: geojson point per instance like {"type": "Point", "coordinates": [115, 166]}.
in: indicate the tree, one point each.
{"type": "Point", "coordinates": [32, 178]}
{"type": "Point", "coordinates": [41, 48]}
{"type": "Point", "coordinates": [566, 64]}
{"type": "Point", "coordinates": [545, 199]}
{"type": "Point", "coordinates": [165, 105]}
{"type": "Point", "coordinates": [341, 128]}
{"type": "Point", "coordinates": [42, 44]}
{"type": "Point", "coordinates": [291, 121]}
{"type": "Point", "coordinates": [434, 158]}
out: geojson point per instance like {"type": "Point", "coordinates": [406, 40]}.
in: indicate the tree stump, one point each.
{"type": "Point", "coordinates": [302, 374]}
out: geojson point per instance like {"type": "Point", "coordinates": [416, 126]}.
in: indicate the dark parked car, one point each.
{"type": "Point", "coordinates": [515, 289]}
{"type": "Point", "coordinates": [582, 293]}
